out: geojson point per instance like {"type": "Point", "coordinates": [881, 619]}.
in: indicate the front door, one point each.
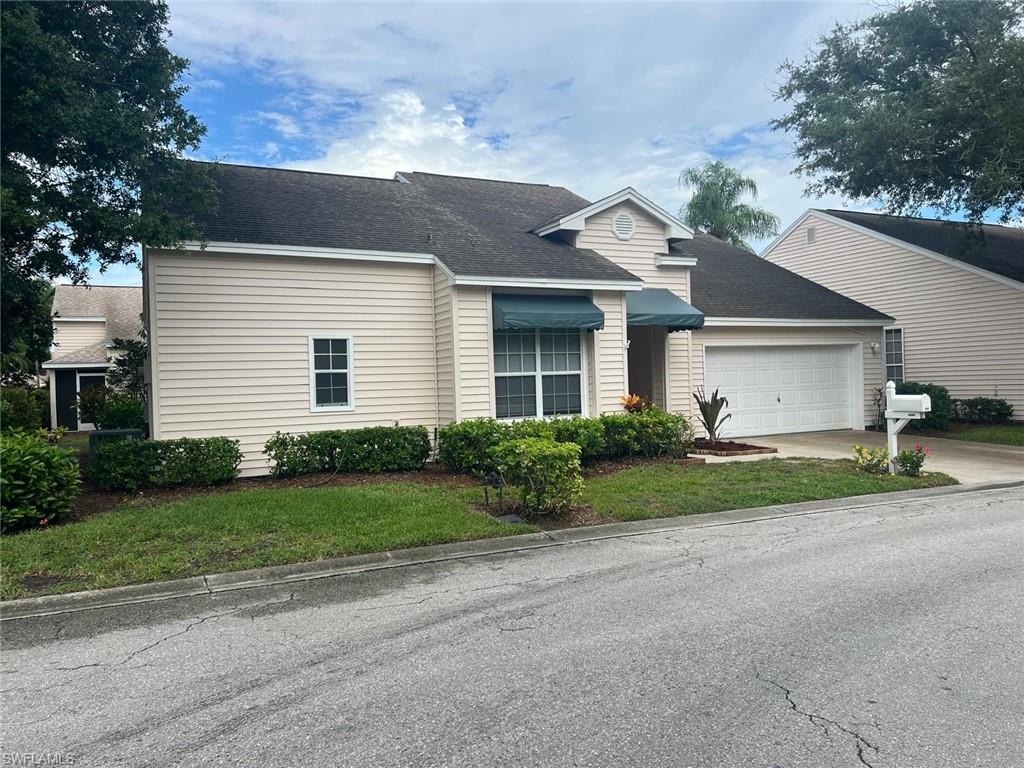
{"type": "Point", "coordinates": [86, 381]}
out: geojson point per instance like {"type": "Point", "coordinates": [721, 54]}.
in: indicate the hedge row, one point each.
{"type": "Point", "coordinates": [983, 410]}
{"type": "Point", "coordinates": [371, 449]}
{"type": "Point", "coordinates": [468, 446]}
{"type": "Point", "coordinates": [128, 465]}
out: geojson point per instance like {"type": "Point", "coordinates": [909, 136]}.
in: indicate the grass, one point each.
{"type": "Point", "coordinates": [235, 531]}
{"type": "Point", "coordinates": [229, 531]}
{"type": "Point", "coordinates": [667, 490]}
{"type": "Point", "coordinates": [1000, 434]}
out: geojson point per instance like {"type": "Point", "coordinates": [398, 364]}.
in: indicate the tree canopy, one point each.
{"type": "Point", "coordinates": [92, 131]}
{"type": "Point", "coordinates": [717, 208]}
{"type": "Point", "coordinates": [919, 106]}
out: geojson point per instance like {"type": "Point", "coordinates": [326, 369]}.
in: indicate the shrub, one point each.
{"type": "Point", "coordinates": [121, 410]}
{"type": "Point", "coordinates": [942, 404]}
{"type": "Point", "coordinates": [660, 433]}
{"type": "Point", "coordinates": [636, 403]}
{"type": "Point", "coordinates": [909, 462]}
{"type": "Point", "coordinates": [588, 434]}
{"type": "Point", "coordinates": [983, 410]}
{"type": "Point", "coordinates": [21, 409]}
{"type": "Point", "coordinates": [371, 449]}
{"type": "Point", "coordinates": [90, 403]}
{"type": "Point", "coordinates": [465, 446]}
{"type": "Point", "coordinates": [527, 428]}
{"type": "Point", "coordinates": [546, 473]}
{"type": "Point", "coordinates": [128, 465]}
{"type": "Point", "coordinates": [195, 460]}
{"type": "Point", "coordinates": [710, 412]}
{"type": "Point", "coordinates": [621, 436]}
{"type": "Point", "coordinates": [38, 481]}
{"type": "Point", "coordinates": [874, 460]}
{"type": "Point", "coordinates": [124, 465]}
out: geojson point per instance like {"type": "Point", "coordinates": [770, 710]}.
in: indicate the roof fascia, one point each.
{"type": "Point", "coordinates": [779, 322]}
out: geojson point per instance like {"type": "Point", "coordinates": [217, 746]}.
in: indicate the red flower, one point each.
{"type": "Point", "coordinates": [44, 521]}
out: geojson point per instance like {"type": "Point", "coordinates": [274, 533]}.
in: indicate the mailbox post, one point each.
{"type": "Point", "coordinates": [899, 411]}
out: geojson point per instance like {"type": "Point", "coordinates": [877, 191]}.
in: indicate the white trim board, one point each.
{"type": "Point", "coordinates": [674, 228]}
{"type": "Point", "coordinates": [63, 319]}
{"type": "Point", "coordinates": [65, 366]}
{"type": "Point", "coordinates": [261, 249]}
{"type": "Point", "coordinates": [668, 260]}
{"type": "Point", "coordinates": [779, 322]}
{"type": "Point", "coordinates": [823, 215]}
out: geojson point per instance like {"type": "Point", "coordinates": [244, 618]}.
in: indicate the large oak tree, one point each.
{"type": "Point", "coordinates": [922, 105]}
{"type": "Point", "coordinates": [92, 135]}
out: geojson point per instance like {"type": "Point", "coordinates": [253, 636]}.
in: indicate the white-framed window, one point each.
{"type": "Point", "coordinates": [812, 234]}
{"type": "Point", "coordinates": [330, 373]}
{"type": "Point", "coordinates": [894, 355]}
{"type": "Point", "coordinates": [538, 372]}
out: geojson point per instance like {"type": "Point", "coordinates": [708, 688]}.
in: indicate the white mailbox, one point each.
{"type": "Point", "coordinates": [906, 406]}
{"type": "Point", "coordinates": [899, 410]}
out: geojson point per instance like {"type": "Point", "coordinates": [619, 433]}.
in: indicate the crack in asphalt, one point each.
{"type": "Point", "coordinates": [820, 721]}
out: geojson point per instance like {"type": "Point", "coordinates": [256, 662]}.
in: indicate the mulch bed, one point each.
{"type": "Point", "coordinates": [705, 447]}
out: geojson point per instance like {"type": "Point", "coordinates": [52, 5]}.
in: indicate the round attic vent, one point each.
{"type": "Point", "coordinates": [623, 226]}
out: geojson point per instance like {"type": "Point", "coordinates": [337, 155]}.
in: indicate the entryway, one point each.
{"type": "Point", "coordinates": [646, 356]}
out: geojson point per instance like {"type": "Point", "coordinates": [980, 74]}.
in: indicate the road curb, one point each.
{"type": "Point", "coordinates": [211, 584]}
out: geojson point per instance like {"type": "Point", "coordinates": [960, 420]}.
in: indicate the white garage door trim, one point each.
{"type": "Point", "coordinates": [856, 379]}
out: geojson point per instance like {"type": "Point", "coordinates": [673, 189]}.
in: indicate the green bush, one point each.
{"type": "Point", "coordinates": [124, 464]}
{"type": "Point", "coordinates": [524, 429]}
{"type": "Point", "coordinates": [588, 434]}
{"type": "Point", "coordinates": [128, 465]}
{"type": "Point", "coordinates": [621, 435]}
{"type": "Point", "coordinates": [38, 481]}
{"type": "Point", "coordinates": [371, 449]}
{"type": "Point", "coordinates": [545, 473]}
{"type": "Point", "coordinates": [465, 446]}
{"type": "Point", "coordinates": [22, 409]}
{"type": "Point", "coordinates": [196, 461]}
{"type": "Point", "coordinates": [942, 404]}
{"type": "Point", "coordinates": [121, 410]}
{"type": "Point", "coordinates": [983, 410]}
{"type": "Point", "coordinates": [660, 433]}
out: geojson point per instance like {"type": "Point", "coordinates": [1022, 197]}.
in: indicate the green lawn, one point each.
{"type": "Point", "coordinates": [234, 531]}
{"type": "Point", "coordinates": [1001, 434]}
{"type": "Point", "coordinates": [665, 490]}
{"type": "Point", "coordinates": [272, 526]}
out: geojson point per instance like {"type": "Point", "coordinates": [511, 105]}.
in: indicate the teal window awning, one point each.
{"type": "Point", "coordinates": [659, 306]}
{"type": "Point", "coordinates": [513, 310]}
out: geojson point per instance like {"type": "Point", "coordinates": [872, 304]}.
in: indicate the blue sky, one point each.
{"type": "Point", "coordinates": [590, 96]}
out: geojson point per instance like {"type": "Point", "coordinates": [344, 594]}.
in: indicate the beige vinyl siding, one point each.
{"type": "Point", "coordinates": [638, 255]}
{"type": "Point", "coordinates": [231, 344]}
{"type": "Point", "coordinates": [69, 335]}
{"type": "Point", "coordinates": [474, 396]}
{"type": "Point", "coordinates": [859, 338]}
{"type": "Point", "coordinates": [445, 344]}
{"type": "Point", "coordinates": [609, 373]}
{"type": "Point", "coordinates": [962, 330]}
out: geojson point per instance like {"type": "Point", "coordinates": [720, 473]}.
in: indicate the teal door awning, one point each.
{"type": "Point", "coordinates": [513, 310]}
{"type": "Point", "coordinates": [659, 306]}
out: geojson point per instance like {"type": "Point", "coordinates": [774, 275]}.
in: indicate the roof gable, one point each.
{"type": "Point", "coordinates": [119, 305]}
{"type": "Point", "coordinates": [576, 219]}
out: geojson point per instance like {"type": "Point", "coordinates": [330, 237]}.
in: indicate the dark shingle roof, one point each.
{"type": "Point", "coordinates": [732, 282]}
{"type": "Point", "coordinates": [475, 226]}
{"type": "Point", "coordinates": [992, 247]}
{"type": "Point", "coordinates": [120, 305]}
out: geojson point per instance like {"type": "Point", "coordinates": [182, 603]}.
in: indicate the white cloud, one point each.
{"type": "Point", "coordinates": [593, 97]}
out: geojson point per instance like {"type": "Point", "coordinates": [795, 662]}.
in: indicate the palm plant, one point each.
{"type": "Point", "coordinates": [710, 409]}
{"type": "Point", "coordinates": [715, 207]}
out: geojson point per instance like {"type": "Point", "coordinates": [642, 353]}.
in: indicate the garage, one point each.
{"type": "Point", "coordinates": [777, 389]}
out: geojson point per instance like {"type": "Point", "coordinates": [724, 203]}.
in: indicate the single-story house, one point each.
{"type": "Point", "coordinates": [955, 292]}
{"type": "Point", "coordinates": [86, 320]}
{"type": "Point", "coordinates": [321, 301]}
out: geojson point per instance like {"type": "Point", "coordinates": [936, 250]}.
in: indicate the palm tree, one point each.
{"type": "Point", "coordinates": [715, 207]}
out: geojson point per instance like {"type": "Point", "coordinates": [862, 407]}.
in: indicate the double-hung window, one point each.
{"type": "Point", "coordinates": [894, 355]}
{"type": "Point", "coordinates": [330, 373]}
{"type": "Point", "coordinates": [538, 372]}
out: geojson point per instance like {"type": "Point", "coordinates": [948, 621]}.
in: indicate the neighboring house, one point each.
{"type": "Point", "coordinates": [323, 301]}
{"type": "Point", "coordinates": [86, 320]}
{"type": "Point", "coordinates": [956, 293]}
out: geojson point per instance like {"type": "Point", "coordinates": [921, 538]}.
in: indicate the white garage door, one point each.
{"type": "Point", "coordinates": [781, 389]}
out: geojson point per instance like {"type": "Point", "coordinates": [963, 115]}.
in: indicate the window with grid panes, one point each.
{"type": "Point", "coordinates": [331, 372]}
{"type": "Point", "coordinates": [538, 372]}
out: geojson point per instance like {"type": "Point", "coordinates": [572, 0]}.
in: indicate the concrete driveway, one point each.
{"type": "Point", "coordinates": [967, 462]}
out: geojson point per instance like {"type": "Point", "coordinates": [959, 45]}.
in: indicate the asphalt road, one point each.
{"type": "Point", "coordinates": [888, 636]}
